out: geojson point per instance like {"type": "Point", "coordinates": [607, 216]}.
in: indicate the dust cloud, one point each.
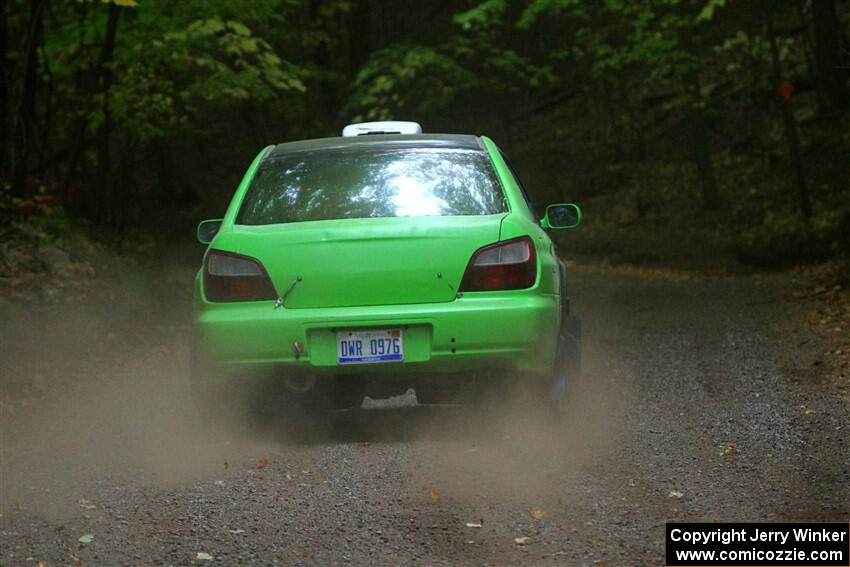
{"type": "Point", "coordinates": [519, 451]}
{"type": "Point", "coordinates": [95, 397]}
{"type": "Point", "coordinates": [94, 394]}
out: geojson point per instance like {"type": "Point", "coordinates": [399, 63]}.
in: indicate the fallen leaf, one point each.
{"type": "Point", "coordinates": [600, 564]}
{"type": "Point", "coordinates": [537, 514]}
{"type": "Point", "coordinates": [86, 505]}
{"type": "Point", "coordinates": [306, 472]}
{"type": "Point", "coordinates": [288, 476]}
{"type": "Point", "coordinates": [204, 556]}
{"type": "Point", "coordinates": [729, 451]}
{"type": "Point", "coordinates": [810, 411]}
{"type": "Point", "coordinates": [87, 538]}
{"type": "Point", "coordinates": [524, 540]}
{"type": "Point", "coordinates": [42, 564]}
{"type": "Point", "coordinates": [435, 497]}
{"type": "Point", "coordinates": [675, 494]}
{"type": "Point", "coordinates": [473, 525]}
{"type": "Point", "coordinates": [262, 463]}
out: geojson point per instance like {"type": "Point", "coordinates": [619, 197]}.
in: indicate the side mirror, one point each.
{"type": "Point", "coordinates": [208, 229]}
{"type": "Point", "coordinates": [561, 216]}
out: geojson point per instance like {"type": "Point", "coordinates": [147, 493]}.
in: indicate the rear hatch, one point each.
{"type": "Point", "coordinates": [358, 262]}
{"type": "Point", "coordinates": [374, 220]}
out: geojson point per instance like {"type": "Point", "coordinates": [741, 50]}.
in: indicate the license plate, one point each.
{"type": "Point", "coordinates": [377, 345]}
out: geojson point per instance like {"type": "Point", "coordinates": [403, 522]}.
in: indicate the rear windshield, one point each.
{"type": "Point", "coordinates": [369, 182]}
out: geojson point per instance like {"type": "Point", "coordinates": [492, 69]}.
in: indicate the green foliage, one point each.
{"type": "Point", "coordinates": [648, 41]}
{"type": "Point", "coordinates": [408, 80]}
{"type": "Point", "coordinates": [592, 100]}
{"type": "Point", "coordinates": [707, 12]}
{"type": "Point", "coordinates": [472, 68]}
{"type": "Point", "coordinates": [535, 8]}
{"type": "Point", "coordinates": [169, 64]}
{"type": "Point", "coordinates": [653, 36]}
{"type": "Point", "coordinates": [211, 61]}
{"type": "Point", "coordinates": [488, 13]}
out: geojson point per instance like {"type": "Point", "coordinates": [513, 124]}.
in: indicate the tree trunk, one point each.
{"type": "Point", "coordinates": [699, 133]}
{"type": "Point", "coordinates": [790, 126]}
{"type": "Point", "coordinates": [808, 40]}
{"type": "Point", "coordinates": [700, 137]}
{"type": "Point", "coordinates": [101, 192]}
{"type": "Point", "coordinates": [25, 119]}
{"type": "Point", "coordinates": [76, 171]}
{"type": "Point", "coordinates": [639, 155]}
{"type": "Point", "coordinates": [47, 117]}
{"type": "Point", "coordinates": [833, 93]}
{"type": "Point", "coordinates": [5, 95]}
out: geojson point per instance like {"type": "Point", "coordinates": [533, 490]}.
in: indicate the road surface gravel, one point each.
{"type": "Point", "coordinates": [701, 400]}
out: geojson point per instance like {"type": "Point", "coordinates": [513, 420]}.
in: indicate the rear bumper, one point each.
{"type": "Point", "coordinates": [515, 331]}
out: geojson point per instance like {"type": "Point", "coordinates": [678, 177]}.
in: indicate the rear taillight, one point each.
{"type": "Point", "coordinates": [230, 277]}
{"type": "Point", "coordinates": [504, 265]}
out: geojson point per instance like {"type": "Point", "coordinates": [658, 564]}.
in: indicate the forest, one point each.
{"type": "Point", "coordinates": [692, 132]}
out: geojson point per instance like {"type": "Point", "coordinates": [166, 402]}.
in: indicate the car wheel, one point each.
{"type": "Point", "coordinates": [568, 359]}
{"type": "Point", "coordinates": [567, 368]}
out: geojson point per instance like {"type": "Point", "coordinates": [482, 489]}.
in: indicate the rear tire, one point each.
{"type": "Point", "coordinates": [568, 359]}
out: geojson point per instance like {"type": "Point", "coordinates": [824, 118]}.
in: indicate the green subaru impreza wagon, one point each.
{"type": "Point", "coordinates": [379, 261]}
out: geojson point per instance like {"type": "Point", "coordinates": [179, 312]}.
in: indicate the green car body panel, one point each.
{"type": "Point", "coordinates": [402, 272]}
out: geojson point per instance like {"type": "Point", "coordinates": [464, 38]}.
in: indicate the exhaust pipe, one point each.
{"type": "Point", "coordinates": [299, 383]}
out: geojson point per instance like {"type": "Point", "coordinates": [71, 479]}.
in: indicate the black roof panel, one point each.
{"type": "Point", "coordinates": [463, 141]}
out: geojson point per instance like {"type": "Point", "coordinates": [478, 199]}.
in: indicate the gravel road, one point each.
{"type": "Point", "coordinates": [701, 400]}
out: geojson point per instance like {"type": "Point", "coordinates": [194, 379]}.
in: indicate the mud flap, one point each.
{"type": "Point", "coordinates": [568, 359]}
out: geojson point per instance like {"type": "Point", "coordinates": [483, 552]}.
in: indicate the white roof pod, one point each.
{"type": "Point", "coordinates": [387, 127]}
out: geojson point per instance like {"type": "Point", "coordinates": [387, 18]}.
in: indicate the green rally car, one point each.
{"type": "Point", "coordinates": [382, 260]}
